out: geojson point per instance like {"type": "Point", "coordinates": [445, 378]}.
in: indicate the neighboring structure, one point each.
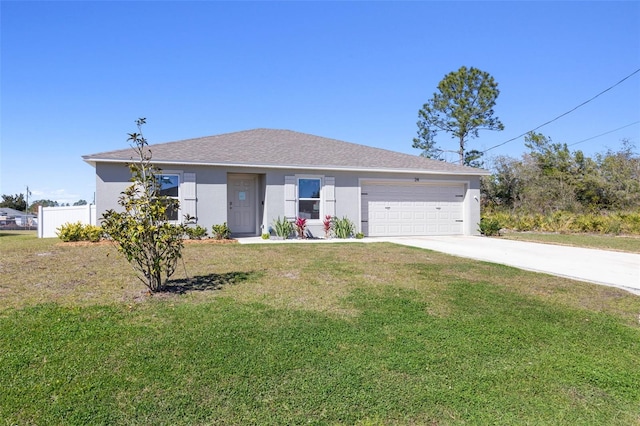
{"type": "Point", "coordinates": [250, 178]}
{"type": "Point", "coordinates": [11, 219]}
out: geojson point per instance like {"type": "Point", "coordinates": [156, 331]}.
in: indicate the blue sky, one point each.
{"type": "Point", "coordinates": [76, 75]}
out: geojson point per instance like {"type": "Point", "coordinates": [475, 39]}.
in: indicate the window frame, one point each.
{"type": "Point", "coordinates": [319, 200]}
{"type": "Point", "coordinates": [176, 197]}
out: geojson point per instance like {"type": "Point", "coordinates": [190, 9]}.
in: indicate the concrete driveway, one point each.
{"type": "Point", "coordinates": [616, 269]}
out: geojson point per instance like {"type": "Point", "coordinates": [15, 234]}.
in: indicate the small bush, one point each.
{"type": "Point", "coordinates": [196, 233]}
{"type": "Point", "coordinates": [567, 222]}
{"type": "Point", "coordinates": [301, 227]}
{"type": "Point", "coordinates": [489, 227]}
{"type": "Point", "coordinates": [92, 233]}
{"type": "Point", "coordinates": [343, 228]}
{"type": "Point", "coordinates": [221, 232]}
{"type": "Point", "coordinates": [326, 224]}
{"type": "Point", "coordinates": [559, 221]}
{"type": "Point", "coordinates": [359, 235]}
{"type": "Point", "coordinates": [266, 236]}
{"type": "Point", "coordinates": [70, 232]}
{"type": "Point", "coordinates": [282, 227]}
{"type": "Point", "coordinates": [630, 222]}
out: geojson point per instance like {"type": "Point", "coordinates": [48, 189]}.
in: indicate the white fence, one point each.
{"type": "Point", "coordinates": [51, 218]}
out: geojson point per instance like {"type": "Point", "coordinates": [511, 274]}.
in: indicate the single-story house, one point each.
{"type": "Point", "coordinates": [250, 178]}
{"type": "Point", "coordinates": [16, 219]}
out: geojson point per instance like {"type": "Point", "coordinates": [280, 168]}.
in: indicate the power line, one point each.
{"type": "Point", "coordinates": [605, 133]}
{"type": "Point", "coordinates": [562, 115]}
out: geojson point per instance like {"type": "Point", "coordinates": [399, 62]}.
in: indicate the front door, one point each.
{"type": "Point", "coordinates": [241, 204]}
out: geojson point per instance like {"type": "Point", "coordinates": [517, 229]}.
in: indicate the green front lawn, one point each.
{"type": "Point", "coordinates": [324, 334]}
{"type": "Point", "coordinates": [597, 241]}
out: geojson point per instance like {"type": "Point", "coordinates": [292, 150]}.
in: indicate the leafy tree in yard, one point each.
{"type": "Point", "coordinates": [151, 244]}
{"type": "Point", "coordinates": [16, 202]}
{"type": "Point", "coordinates": [45, 203]}
{"type": "Point", "coordinates": [503, 189]}
{"type": "Point", "coordinates": [462, 107]}
{"type": "Point", "coordinates": [620, 173]}
{"type": "Point", "coordinates": [550, 178]}
{"type": "Point", "coordinates": [551, 174]}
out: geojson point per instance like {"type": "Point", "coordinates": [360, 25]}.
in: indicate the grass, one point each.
{"type": "Point", "coordinates": [597, 241]}
{"type": "Point", "coordinates": [329, 334]}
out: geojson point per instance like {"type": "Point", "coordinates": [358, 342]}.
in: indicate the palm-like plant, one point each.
{"type": "Point", "coordinates": [301, 226]}
{"type": "Point", "coordinates": [327, 225]}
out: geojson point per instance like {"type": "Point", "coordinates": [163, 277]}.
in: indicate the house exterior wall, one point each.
{"type": "Point", "coordinates": [347, 195]}
{"type": "Point", "coordinates": [111, 180]}
{"type": "Point", "coordinates": [211, 207]}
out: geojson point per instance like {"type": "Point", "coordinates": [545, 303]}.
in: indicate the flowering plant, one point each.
{"type": "Point", "coordinates": [301, 226]}
{"type": "Point", "coordinates": [328, 220]}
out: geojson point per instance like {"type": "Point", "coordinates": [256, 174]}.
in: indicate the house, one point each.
{"type": "Point", "coordinates": [16, 219]}
{"type": "Point", "coordinates": [250, 178]}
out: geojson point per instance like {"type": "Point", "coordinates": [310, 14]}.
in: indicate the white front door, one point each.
{"type": "Point", "coordinates": [241, 204]}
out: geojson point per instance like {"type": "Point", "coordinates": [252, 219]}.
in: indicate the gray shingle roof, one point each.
{"type": "Point", "coordinates": [270, 148]}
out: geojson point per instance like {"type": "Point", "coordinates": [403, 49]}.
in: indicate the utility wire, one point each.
{"type": "Point", "coordinates": [562, 115]}
{"type": "Point", "coordinates": [605, 133]}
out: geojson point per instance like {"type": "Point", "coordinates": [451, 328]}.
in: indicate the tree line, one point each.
{"type": "Point", "coordinates": [19, 202]}
{"type": "Point", "coordinates": [550, 178]}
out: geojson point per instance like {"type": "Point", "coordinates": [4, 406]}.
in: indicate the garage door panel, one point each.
{"type": "Point", "coordinates": [412, 209]}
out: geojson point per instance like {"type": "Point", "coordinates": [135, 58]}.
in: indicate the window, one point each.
{"type": "Point", "coordinates": [309, 198]}
{"type": "Point", "coordinates": [168, 187]}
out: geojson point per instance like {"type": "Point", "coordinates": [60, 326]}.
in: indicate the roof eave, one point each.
{"type": "Point", "coordinates": [472, 172]}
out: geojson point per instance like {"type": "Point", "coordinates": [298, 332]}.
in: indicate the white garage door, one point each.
{"type": "Point", "coordinates": [393, 209]}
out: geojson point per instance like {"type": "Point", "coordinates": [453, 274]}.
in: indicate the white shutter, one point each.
{"type": "Point", "coordinates": [329, 196]}
{"type": "Point", "coordinates": [189, 200]}
{"type": "Point", "coordinates": [290, 211]}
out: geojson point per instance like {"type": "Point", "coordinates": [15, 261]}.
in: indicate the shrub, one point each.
{"type": "Point", "coordinates": [565, 222]}
{"type": "Point", "coordinates": [145, 236]}
{"type": "Point", "coordinates": [301, 227]}
{"type": "Point", "coordinates": [78, 232]}
{"type": "Point", "coordinates": [559, 221]}
{"type": "Point", "coordinates": [195, 233]}
{"type": "Point", "coordinates": [221, 232]}
{"type": "Point", "coordinates": [266, 236]}
{"type": "Point", "coordinates": [359, 235]}
{"type": "Point", "coordinates": [70, 232]}
{"type": "Point", "coordinates": [630, 222]}
{"type": "Point", "coordinates": [489, 227]}
{"type": "Point", "coordinates": [343, 228]}
{"type": "Point", "coordinates": [327, 222]}
{"type": "Point", "coordinates": [282, 227]}
{"type": "Point", "coordinates": [93, 233]}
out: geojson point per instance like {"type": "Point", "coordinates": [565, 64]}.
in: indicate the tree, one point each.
{"type": "Point", "coordinates": [45, 203]}
{"type": "Point", "coordinates": [16, 202]}
{"type": "Point", "coordinates": [151, 244]}
{"type": "Point", "coordinates": [80, 203]}
{"type": "Point", "coordinates": [462, 107]}
{"type": "Point", "coordinates": [621, 173]}
{"type": "Point", "coordinates": [553, 175]}
{"type": "Point", "coordinates": [503, 188]}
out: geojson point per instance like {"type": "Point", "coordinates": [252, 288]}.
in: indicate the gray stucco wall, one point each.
{"type": "Point", "coordinates": [347, 195]}
{"type": "Point", "coordinates": [211, 192]}
{"type": "Point", "coordinates": [111, 180]}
